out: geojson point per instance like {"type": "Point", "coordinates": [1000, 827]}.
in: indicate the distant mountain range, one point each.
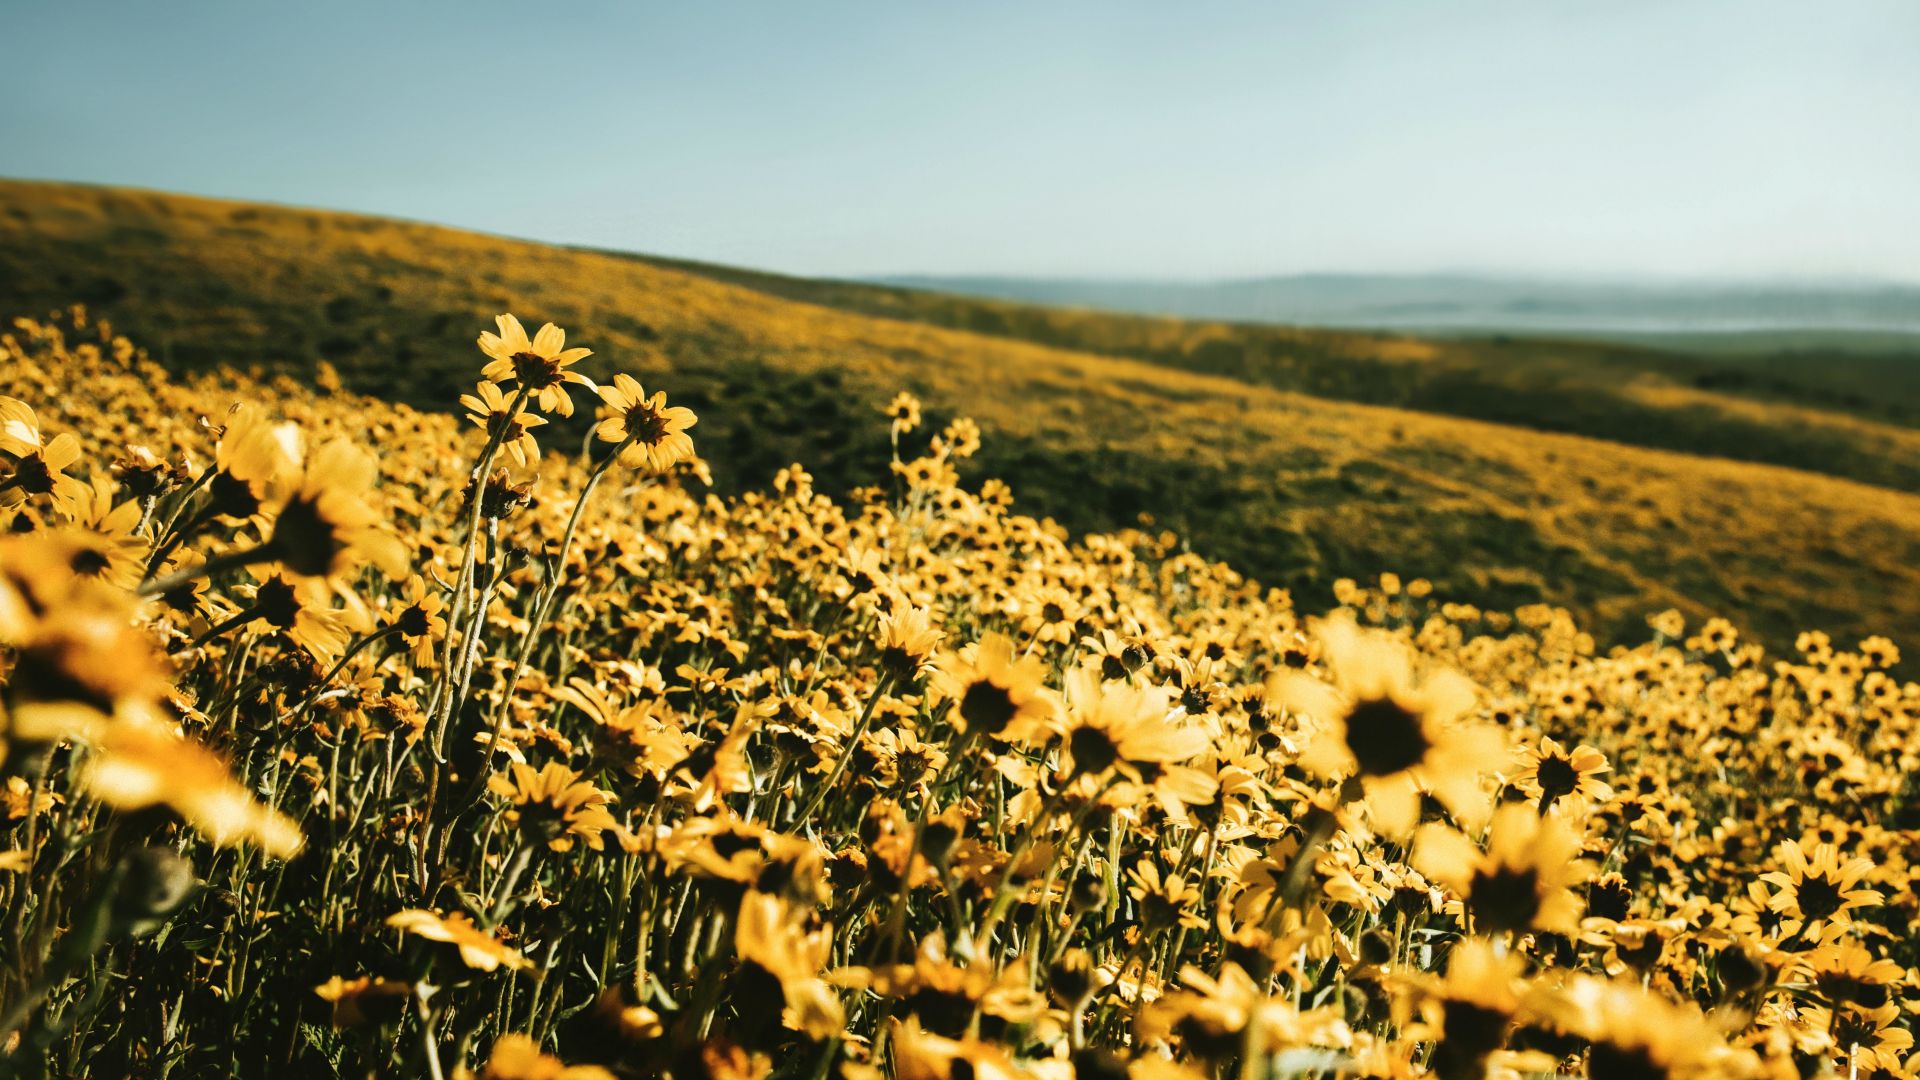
{"type": "Point", "coordinates": [1472, 303]}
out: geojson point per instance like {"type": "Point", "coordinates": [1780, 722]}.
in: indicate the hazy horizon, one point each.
{"type": "Point", "coordinates": [1715, 141]}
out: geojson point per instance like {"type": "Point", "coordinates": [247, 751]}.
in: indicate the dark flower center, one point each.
{"type": "Point", "coordinates": [944, 1012]}
{"type": "Point", "coordinates": [505, 428]}
{"type": "Point", "coordinates": [1557, 777]}
{"type": "Point", "coordinates": [1207, 1040]}
{"type": "Point", "coordinates": [1093, 751]}
{"type": "Point", "coordinates": [1610, 1062]}
{"type": "Point", "coordinates": [1838, 987]}
{"type": "Point", "coordinates": [304, 539]}
{"type": "Point", "coordinates": [33, 475]}
{"type": "Point", "coordinates": [1385, 738]}
{"type": "Point", "coordinates": [645, 425]}
{"type": "Point", "coordinates": [1472, 1032]}
{"type": "Point", "coordinates": [1504, 899]}
{"type": "Point", "coordinates": [277, 603]}
{"type": "Point", "coordinates": [413, 622]}
{"type": "Point", "coordinates": [232, 497]}
{"type": "Point", "coordinates": [534, 371]}
{"type": "Point", "coordinates": [987, 708]}
{"type": "Point", "coordinates": [89, 562]}
{"type": "Point", "coordinates": [899, 663]}
{"type": "Point", "coordinates": [1820, 896]}
{"type": "Point", "coordinates": [1609, 899]}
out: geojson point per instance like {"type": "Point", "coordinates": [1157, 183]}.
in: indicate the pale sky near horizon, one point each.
{"type": "Point", "coordinates": [1745, 138]}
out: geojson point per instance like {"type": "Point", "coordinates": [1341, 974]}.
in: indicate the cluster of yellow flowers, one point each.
{"type": "Point", "coordinates": [340, 737]}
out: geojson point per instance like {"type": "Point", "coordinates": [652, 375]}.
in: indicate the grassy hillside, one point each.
{"type": "Point", "coordinates": [1201, 430]}
{"type": "Point", "coordinates": [1840, 409]}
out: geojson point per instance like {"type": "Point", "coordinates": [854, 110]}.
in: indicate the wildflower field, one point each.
{"type": "Point", "coordinates": [343, 738]}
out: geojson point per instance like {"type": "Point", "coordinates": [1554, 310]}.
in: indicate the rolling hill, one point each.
{"type": "Point", "coordinates": [1440, 302]}
{"type": "Point", "coordinates": [1824, 404]}
{"type": "Point", "coordinates": [1299, 456]}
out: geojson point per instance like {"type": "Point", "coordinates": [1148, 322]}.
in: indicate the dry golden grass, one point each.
{"type": "Point", "coordinates": [1294, 489]}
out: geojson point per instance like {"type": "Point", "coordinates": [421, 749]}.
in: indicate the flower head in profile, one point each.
{"type": "Point", "coordinates": [252, 462]}
{"type": "Point", "coordinates": [946, 995]}
{"type": "Point", "coordinates": [1468, 1015]}
{"type": "Point", "coordinates": [1214, 1015]}
{"type": "Point", "coordinates": [1634, 1031]}
{"type": "Point", "coordinates": [919, 1054]}
{"type": "Point", "coordinates": [489, 408]}
{"type": "Point", "coordinates": [653, 435]}
{"type": "Point", "coordinates": [478, 949]}
{"type": "Point", "coordinates": [77, 659]}
{"type": "Point", "coordinates": [553, 806]}
{"type": "Point", "coordinates": [364, 1000]}
{"type": "Point", "coordinates": [30, 465]}
{"type": "Point", "coordinates": [141, 762]}
{"type": "Point", "coordinates": [540, 366]}
{"type": "Point", "coordinates": [1397, 728]}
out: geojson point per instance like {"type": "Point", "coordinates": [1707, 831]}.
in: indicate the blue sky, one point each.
{"type": "Point", "coordinates": [1747, 138]}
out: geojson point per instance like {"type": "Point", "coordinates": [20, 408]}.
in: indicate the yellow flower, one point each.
{"type": "Point", "coordinates": [1638, 1033]}
{"type": "Point", "coordinates": [1468, 1014]}
{"type": "Point", "coordinates": [1212, 1017]}
{"type": "Point", "coordinates": [996, 694]}
{"type": "Point", "coordinates": [780, 962]}
{"type": "Point", "coordinates": [1399, 729]}
{"type": "Point", "coordinates": [364, 1000]}
{"type": "Point", "coordinates": [1549, 773]}
{"type": "Point", "coordinates": [251, 463]}
{"type": "Point", "coordinates": [947, 998]}
{"type": "Point", "coordinates": [488, 407]}
{"type": "Point", "coordinates": [1818, 891]}
{"type": "Point", "coordinates": [77, 657]}
{"type": "Point", "coordinates": [921, 1055]}
{"type": "Point", "coordinates": [139, 763]}
{"type": "Point", "coordinates": [420, 622]}
{"type": "Point", "coordinates": [1522, 882]}
{"type": "Point", "coordinates": [1113, 725]}
{"type": "Point", "coordinates": [654, 436]}
{"type": "Point", "coordinates": [904, 410]}
{"type": "Point", "coordinates": [907, 641]}
{"type": "Point", "coordinates": [1166, 898]}
{"type": "Point", "coordinates": [300, 609]}
{"type": "Point", "coordinates": [553, 805]}
{"type": "Point", "coordinates": [477, 948]}
{"type": "Point", "coordinates": [105, 544]}
{"type": "Point", "coordinates": [327, 526]}
{"type": "Point", "coordinates": [518, 1057]}
{"type": "Point", "coordinates": [29, 466]}
{"type": "Point", "coordinates": [540, 366]}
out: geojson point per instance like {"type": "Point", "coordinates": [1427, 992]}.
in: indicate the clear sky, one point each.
{"type": "Point", "coordinates": [1751, 138]}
